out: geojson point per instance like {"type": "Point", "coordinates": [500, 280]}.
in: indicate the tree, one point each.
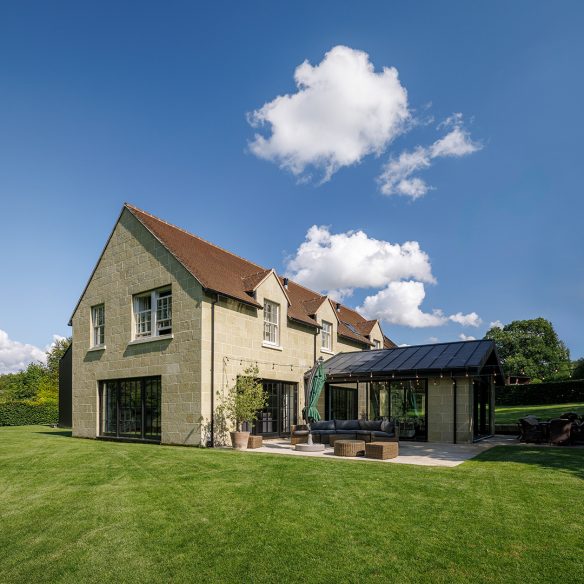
{"type": "Point", "coordinates": [532, 348]}
{"type": "Point", "coordinates": [54, 354]}
{"type": "Point", "coordinates": [578, 372]}
{"type": "Point", "coordinates": [38, 382]}
{"type": "Point", "coordinates": [244, 400]}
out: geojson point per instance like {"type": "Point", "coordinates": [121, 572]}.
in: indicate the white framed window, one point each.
{"type": "Point", "coordinates": [153, 314]}
{"type": "Point", "coordinates": [326, 335]}
{"type": "Point", "coordinates": [376, 344]}
{"type": "Point", "coordinates": [98, 325]}
{"type": "Point", "coordinates": [271, 323]}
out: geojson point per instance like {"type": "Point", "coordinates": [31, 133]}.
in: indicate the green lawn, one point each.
{"type": "Point", "coordinates": [86, 511]}
{"type": "Point", "coordinates": [511, 414]}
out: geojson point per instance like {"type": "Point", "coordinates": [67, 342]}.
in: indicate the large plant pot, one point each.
{"type": "Point", "coordinates": [239, 440]}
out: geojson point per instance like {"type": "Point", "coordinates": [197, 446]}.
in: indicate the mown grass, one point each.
{"type": "Point", "coordinates": [75, 510]}
{"type": "Point", "coordinates": [511, 414]}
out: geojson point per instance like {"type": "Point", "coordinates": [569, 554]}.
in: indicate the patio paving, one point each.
{"type": "Point", "coordinates": [418, 453]}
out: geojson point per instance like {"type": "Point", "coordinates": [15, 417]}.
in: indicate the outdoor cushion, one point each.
{"type": "Point", "coordinates": [300, 432]}
{"type": "Point", "coordinates": [347, 425]}
{"type": "Point", "coordinates": [370, 424]}
{"type": "Point", "coordinates": [346, 431]}
{"type": "Point", "coordinates": [323, 432]}
{"type": "Point", "coordinates": [363, 432]}
{"type": "Point", "coordinates": [323, 425]}
{"type": "Point", "coordinates": [387, 426]}
{"type": "Point", "coordinates": [380, 434]}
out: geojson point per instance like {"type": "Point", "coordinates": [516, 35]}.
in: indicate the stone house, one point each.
{"type": "Point", "coordinates": [166, 323]}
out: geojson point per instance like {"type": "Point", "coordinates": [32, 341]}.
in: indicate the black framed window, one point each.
{"type": "Point", "coordinates": [130, 408]}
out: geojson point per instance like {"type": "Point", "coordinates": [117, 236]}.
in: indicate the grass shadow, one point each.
{"type": "Point", "coordinates": [563, 458]}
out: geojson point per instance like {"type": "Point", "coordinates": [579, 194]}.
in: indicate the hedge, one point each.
{"type": "Point", "coordinates": [533, 394]}
{"type": "Point", "coordinates": [22, 413]}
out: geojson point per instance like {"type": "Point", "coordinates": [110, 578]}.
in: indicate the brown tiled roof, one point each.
{"type": "Point", "coordinates": [311, 306]}
{"type": "Point", "coordinates": [365, 327]}
{"type": "Point", "coordinates": [219, 270]}
{"type": "Point", "coordinates": [250, 283]}
{"type": "Point", "coordinates": [216, 269]}
{"type": "Point", "coordinates": [300, 299]}
{"type": "Point", "coordinates": [388, 343]}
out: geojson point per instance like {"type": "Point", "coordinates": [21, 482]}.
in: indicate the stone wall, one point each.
{"type": "Point", "coordinates": [135, 262]}
{"type": "Point", "coordinates": [441, 410]}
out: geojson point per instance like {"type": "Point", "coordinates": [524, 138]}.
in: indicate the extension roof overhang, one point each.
{"type": "Point", "coordinates": [448, 359]}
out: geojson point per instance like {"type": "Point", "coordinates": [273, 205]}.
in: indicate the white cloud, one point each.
{"type": "Point", "coordinates": [396, 178]}
{"type": "Point", "coordinates": [400, 303]}
{"type": "Point", "coordinates": [496, 324]}
{"type": "Point", "coordinates": [472, 319]}
{"type": "Point", "coordinates": [464, 337]}
{"type": "Point", "coordinates": [339, 263]}
{"type": "Point", "coordinates": [15, 355]}
{"type": "Point", "coordinates": [342, 111]}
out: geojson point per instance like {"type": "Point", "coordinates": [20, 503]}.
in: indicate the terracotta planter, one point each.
{"type": "Point", "coordinates": [239, 440]}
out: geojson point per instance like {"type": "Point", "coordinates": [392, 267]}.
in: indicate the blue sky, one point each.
{"type": "Point", "coordinates": [107, 102]}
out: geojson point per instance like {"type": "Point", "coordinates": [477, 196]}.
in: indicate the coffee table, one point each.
{"type": "Point", "coordinates": [382, 450]}
{"type": "Point", "coordinates": [349, 447]}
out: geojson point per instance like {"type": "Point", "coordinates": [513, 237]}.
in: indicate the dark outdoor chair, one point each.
{"type": "Point", "coordinates": [530, 429]}
{"type": "Point", "coordinates": [572, 416]}
{"type": "Point", "coordinates": [560, 431]}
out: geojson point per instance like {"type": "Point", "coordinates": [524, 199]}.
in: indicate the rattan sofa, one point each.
{"type": "Point", "coordinates": [366, 430]}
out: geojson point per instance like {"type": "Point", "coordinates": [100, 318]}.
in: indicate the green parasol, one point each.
{"type": "Point", "coordinates": [310, 412]}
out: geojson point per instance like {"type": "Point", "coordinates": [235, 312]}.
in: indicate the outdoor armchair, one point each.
{"type": "Point", "coordinates": [531, 431]}
{"type": "Point", "coordinates": [560, 431]}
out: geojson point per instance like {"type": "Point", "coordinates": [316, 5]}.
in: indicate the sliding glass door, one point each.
{"type": "Point", "coordinates": [482, 411]}
{"type": "Point", "coordinates": [280, 412]}
{"type": "Point", "coordinates": [130, 408]}
{"type": "Point", "coordinates": [342, 401]}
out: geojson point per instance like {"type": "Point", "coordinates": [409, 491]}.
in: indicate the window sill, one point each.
{"type": "Point", "coordinates": [96, 348]}
{"type": "Point", "coordinates": [151, 339]}
{"type": "Point", "coordinates": [327, 351]}
{"type": "Point", "coordinates": [270, 346]}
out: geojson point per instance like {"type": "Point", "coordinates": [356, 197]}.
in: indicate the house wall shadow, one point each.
{"type": "Point", "coordinates": [58, 434]}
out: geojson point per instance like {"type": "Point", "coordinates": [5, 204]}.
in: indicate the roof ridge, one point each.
{"type": "Point", "coordinates": [353, 310]}
{"type": "Point", "coordinates": [318, 294]}
{"type": "Point", "coordinates": [134, 208]}
{"type": "Point", "coordinates": [257, 273]}
{"type": "Point", "coordinates": [323, 298]}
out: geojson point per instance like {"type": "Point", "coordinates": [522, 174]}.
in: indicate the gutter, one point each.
{"type": "Point", "coordinates": [454, 388]}
{"type": "Point", "coordinates": [212, 439]}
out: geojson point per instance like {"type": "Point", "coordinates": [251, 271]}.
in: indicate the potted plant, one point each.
{"type": "Point", "coordinates": [242, 404]}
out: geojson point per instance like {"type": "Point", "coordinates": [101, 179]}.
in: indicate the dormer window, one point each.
{"type": "Point", "coordinates": [271, 323]}
{"type": "Point", "coordinates": [153, 314]}
{"type": "Point", "coordinates": [376, 344]}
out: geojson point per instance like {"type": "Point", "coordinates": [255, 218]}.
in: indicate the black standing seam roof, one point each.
{"type": "Point", "coordinates": [464, 355]}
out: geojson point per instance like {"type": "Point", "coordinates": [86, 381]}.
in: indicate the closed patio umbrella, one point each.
{"type": "Point", "coordinates": [313, 391]}
{"type": "Point", "coordinates": [315, 385]}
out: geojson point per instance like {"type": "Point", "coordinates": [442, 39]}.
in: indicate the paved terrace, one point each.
{"type": "Point", "coordinates": [419, 453]}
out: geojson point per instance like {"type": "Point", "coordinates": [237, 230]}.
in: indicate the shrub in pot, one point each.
{"type": "Point", "coordinates": [242, 404]}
